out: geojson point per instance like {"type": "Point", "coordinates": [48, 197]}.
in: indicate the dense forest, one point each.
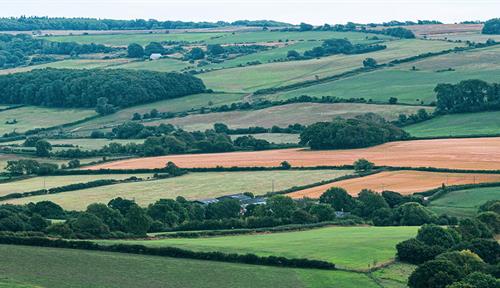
{"type": "Point", "coordinates": [363, 131]}
{"type": "Point", "coordinates": [46, 23]}
{"type": "Point", "coordinates": [467, 96]}
{"type": "Point", "coordinates": [94, 87]}
{"type": "Point", "coordinates": [16, 50]}
{"type": "Point", "coordinates": [492, 26]}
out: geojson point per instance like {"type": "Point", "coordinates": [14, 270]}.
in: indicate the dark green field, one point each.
{"type": "Point", "coordinates": [62, 268]}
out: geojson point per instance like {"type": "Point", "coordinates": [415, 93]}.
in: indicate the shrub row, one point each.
{"type": "Point", "coordinates": [170, 252]}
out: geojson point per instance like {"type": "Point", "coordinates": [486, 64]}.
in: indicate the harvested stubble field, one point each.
{"type": "Point", "coordinates": [474, 153]}
{"type": "Point", "coordinates": [191, 186]}
{"type": "Point", "coordinates": [404, 182]}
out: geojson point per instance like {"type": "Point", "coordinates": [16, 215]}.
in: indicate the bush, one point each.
{"type": "Point", "coordinates": [416, 252]}
{"type": "Point", "coordinates": [435, 274]}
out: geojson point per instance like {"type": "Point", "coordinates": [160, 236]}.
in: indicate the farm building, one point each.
{"type": "Point", "coordinates": [155, 56]}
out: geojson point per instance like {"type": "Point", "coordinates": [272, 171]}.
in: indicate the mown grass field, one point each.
{"type": "Point", "coordinates": [465, 124]}
{"type": "Point", "coordinates": [464, 203]}
{"type": "Point", "coordinates": [30, 117]}
{"type": "Point", "coordinates": [185, 103]}
{"type": "Point", "coordinates": [62, 268]}
{"type": "Point", "coordinates": [37, 183]}
{"type": "Point", "coordinates": [252, 78]}
{"type": "Point", "coordinates": [407, 85]}
{"type": "Point", "coordinates": [71, 64]}
{"type": "Point", "coordinates": [161, 65]}
{"type": "Point", "coordinates": [191, 186]}
{"type": "Point", "coordinates": [284, 115]}
{"type": "Point", "coordinates": [348, 247]}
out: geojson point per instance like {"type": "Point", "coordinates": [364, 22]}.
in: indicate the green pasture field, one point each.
{"type": "Point", "coordinates": [348, 247]}
{"type": "Point", "coordinates": [278, 138]}
{"type": "Point", "coordinates": [252, 78]}
{"type": "Point", "coordinates": [464, 124]}
{"type": "Point", "coordinates": [191, 186]}
{"type": "Point", "coordinates": [71, 64]}
{"type": "Point", "coordinates": [284, 115]}
{"type": "Point", "coordinates": [38, 183]}
{"type": "Point", "coordinates": [142, 39]}
{"type": "Point", "coordinates": [279, 36]}
{"type": "Point", "coordinates": [160, 65]}
{"type": "Point", "coordinates": [405, 84]}
{"type": "Point", "coordinates": [61, 268]}
{"type": "Point", "coordinates": [6, 283]}
{"type": "Point", "coordinates": [31, 117]}
{"type": "Point", "coordinates": [395, 275]}
{"type": "Point", "coordinates": [464, 203]}
{"type": "Point", "coordinates": [466, 36]}
{"type": "Point", "coordinates": [185, 103]}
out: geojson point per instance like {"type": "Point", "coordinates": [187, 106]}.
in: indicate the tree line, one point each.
{"type": "Point", "coordinates": [491, 26]}
{"type": "Point", "coordinates": [467, 96]}
{"type": "Point", "coordinates": [464, 255]}
{"type": "Point", "coordinates": [23, 49]}
{"type": "Point", "coordinates": [336, 46]}
{"type": "Point", "coordinates": [103, 89]}
{"type": "Point", "coordinates": [58, 23]}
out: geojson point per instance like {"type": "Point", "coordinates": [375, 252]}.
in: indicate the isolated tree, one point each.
{"type": "Point", "coordinates": [362, 166]}
{"type": "Point", "coordinates": [394, 100]}
{"type": "Point", "coordinates": [293, 54]}
{"type": "Point", "coordinates": [43, 148]}
{"type": "Point", "coordinates": [285, 165]}
{"type": "Point", "coordinates": [135, 50]}
{"type": "Point", "coordinates": [196, 54]}
{"type": "Point", "coordinates": [154, 47]}
{"type": "Point", "coordinates": [215, 49]}
{"type": "Point", "coordinates": [339, 199]}
{"type": "Point", "coordinates": [370, 63]}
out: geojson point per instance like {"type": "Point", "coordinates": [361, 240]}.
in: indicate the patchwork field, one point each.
{"type": "Point", "coordinates": [38, 183]}
{"type": "Point", "coordinates": [61, 268]}
{"type": "Point", "coordinates": [349, 247]}
{"type": "Point", "coordinates": [407, 85]}
{"type": "Point", "coordinates": [464, 203]}
{"type": "Point", "coordinates": [478, 153]}
{"type": "Point", "coordinates": [182, 104]}
{"type": "Point", "coordinates": [467, 124]}
{"type": "Point", "coordinates": [404, 182]}
{"type": "Point", "coordinates": [251, 78]}
{"type": "Point", "coordinates": [29, 118]}
{"type": "Point", "coordinates": [191, 186]}
{"type": "Point", "coordinates": [284, 115]}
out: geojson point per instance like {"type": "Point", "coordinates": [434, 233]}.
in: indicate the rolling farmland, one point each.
{"type": "Point", "coordinates": [404, 182]}
{"type": "Point", "coordinates": [192, 186]}
{"type": "Point", "coordinates": [464, 203]}
{"type": "Point", "coordinates": [349, 247]}
{"type": "Point", "coordinates": [474, 153]}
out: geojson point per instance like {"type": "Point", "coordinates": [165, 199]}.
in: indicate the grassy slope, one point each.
{"type": "Point", "coordinates": [49, 267]}
{"type": "Point", "coordinates": [352, 247]}
{"type": "Point", "coordinates": [191, 186]}
{"type": "Point", "coordinates": [174, 105]}
{"type": "Point", "coordinates": [282, 116]}
{"type": "Point", "coordinates": [395, 275]}
{"type": "Point", "coordinates": [464, 203]}
{"type": "Point", "coordinates": [275, 74]}
{"type": "Point", "coordinates": [406, 85]}
{"type": "Point", "coordinates": [458, 125]}
{"type": "Point", "coordinates": [37, 183]}
{"type": "Point", "coordinates": [142, 39]}
{"type": "Point", "coordinates": [71, 64]}
{"type": "Point", "coordinates": [39, 117]}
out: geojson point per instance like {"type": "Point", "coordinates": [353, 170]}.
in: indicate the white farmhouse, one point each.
{"type": "Point", "coordinates": [155, 56]}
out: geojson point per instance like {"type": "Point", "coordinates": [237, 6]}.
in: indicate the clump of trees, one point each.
{"type": "Point", "coordinates": [491, 26]}
{"type": "Point", "coordinates": [467, 96]}
{"type": "Point", "coordinates": [340, 46]}
{"type": "Point", "coordinates": [465, 255]}
{"type": "Point", "coordinates": [23, 49]}
{"type": "Point", "coordinates": [84, 88]}
{"type": "Point", "coordinates": [362, 131]}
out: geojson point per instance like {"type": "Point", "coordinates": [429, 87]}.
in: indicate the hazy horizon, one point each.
{"type": "Point", "coordinates": [314, 12]}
